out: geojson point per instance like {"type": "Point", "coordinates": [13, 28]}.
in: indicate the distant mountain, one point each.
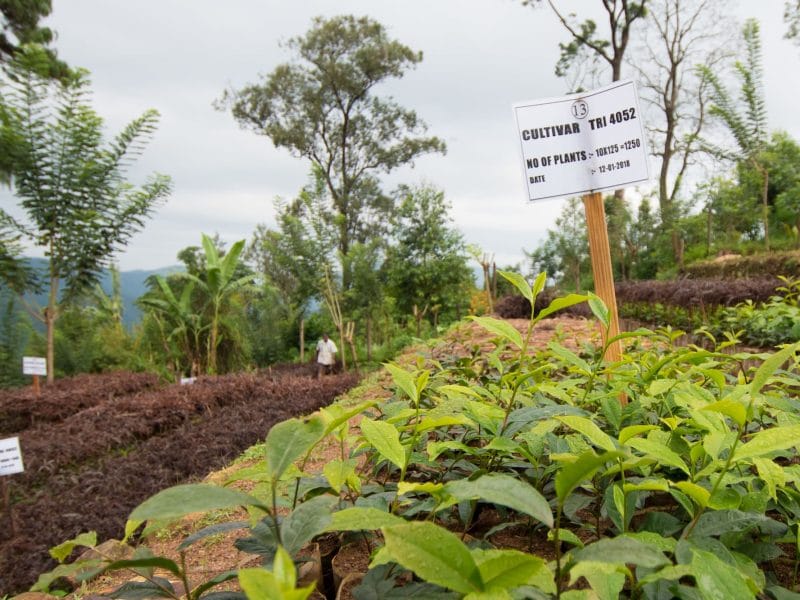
{"type": "Point", "coordinates": [132, 284]}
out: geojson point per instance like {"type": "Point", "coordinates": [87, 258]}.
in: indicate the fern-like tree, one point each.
{"type": "Point", "coordinates": [323, 107]}
{"type": "Point", "coordinates": [72, 186]}
{"type": "Point", "coordinates": [745, 116]}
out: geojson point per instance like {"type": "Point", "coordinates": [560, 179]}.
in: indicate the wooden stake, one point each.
{"type": "Point", "coordinates": [600, 252]}
{"type": "Point", "coordinates": [36, 389]}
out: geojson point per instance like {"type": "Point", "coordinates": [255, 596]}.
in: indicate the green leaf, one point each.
{"type": "Point", "coordinates": [385, 438]}
{"type": "Point", "coordinates": [510, 568]}
{"type": "Point", "coordinates": [607, 580]}
{"type": "Point", "coordinates": [622, 550]}
{"type": "Point", "coordinates": [570, 357]}
{"type": "Point", "coordinates": [768, 441]}
{"type": "Point", "coordinates": [769, 366]}
{"type": "Point", "coordinates": [403, 380]}
{"type": "Point", "coordinates": [717, 579]}
{"type": "Point", "coordinates": [337, 472]}
{"type": "Point", "coordinates": [560, 304]}
{"type": "Point", "coordinates": [719, 522]}
{"type": "Point", "coordinates": [289, 440]}
{"type": "Point", "coordinates": [64, 549]}
{"type": "Point", "coordinates": [336, 415]}
{"type": "Point", "coordinates": [634, 430]}
{"type": "Point", "coordinates": [573, 474]}
{"type": "Point", "coordinates": [590, 431]}
{"type": "Point", "coordinates": [506, 491]}
{"type": "Point", "coordinates": [359, 518]}
{"type": "Point", "coordinates": [306, 521]}
{"type": "Point", "coordinates": [731, 408]}
{"type": "Point", "coordinates": [662, 453]}
{"type": "Point", "coordinates": [599, 309]}
{"type": "Point", "coordinates": [500, 328]}
{"type": "Point", "coordinates": [519, 282]}
{"type": "Point", "coordinates": [697, 493]}
{"type": "Point", "coordinates": [182, 500]}
{"type": "Point", "coordinates": [771, 474]}
{"type": "Point", "coordinates": [435, 555]}
{"type": "Point", "coordinates": [157, 562]}
{"type": "Point", "coordinates": [565, 535]}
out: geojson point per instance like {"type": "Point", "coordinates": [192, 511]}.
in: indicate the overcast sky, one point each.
{"type": "Point", "coordinates": [480, 57]}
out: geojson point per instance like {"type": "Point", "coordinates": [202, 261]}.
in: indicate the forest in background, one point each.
{"type": "Point", "coordinates": [375, 266]}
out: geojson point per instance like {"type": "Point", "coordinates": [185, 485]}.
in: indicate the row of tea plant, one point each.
{"type": "Point", "coordinates": [671, 473]}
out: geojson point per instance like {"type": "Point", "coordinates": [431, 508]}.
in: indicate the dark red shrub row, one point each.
{"type": "Point", "coordinates": [759, 265]}
{"type": "Point", "coordinates": [21, 408]}
{"type": "Point", "coordinates": [686, 293]}
{"type": "Point", "coordinates": [98, 494]}
{"type": "Point", "coordinates": [698, 293]}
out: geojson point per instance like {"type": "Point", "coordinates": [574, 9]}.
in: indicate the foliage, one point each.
{"type": "Point", "coordinates": [323, 108]}
{"type": "Point", "coordinates": [767, 324]}
{"type": "Point", "coordinates": [685, 490]}
{"type": "Point", "coordinates": [20, 27]}
{"type": "Point", "coordinates": [427, 267]}
{"type": "Point", "coordinates": [78, 204]}
{"type": "Point", "coordinates": [770, 264]}
{"type": "Point", "coordinates": [745, 117]}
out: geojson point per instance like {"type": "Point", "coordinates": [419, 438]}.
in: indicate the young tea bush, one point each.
{"type": "Point", "coordinates": [667, 474]}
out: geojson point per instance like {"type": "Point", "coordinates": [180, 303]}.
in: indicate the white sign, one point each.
{"type": "Point", "coordinates": [10, 456]}
{"type": "Point", "coordinates": [583, 143]}
{"type": "Point", "coordinates": [34, 365]}
{"type": "Point", "coordinates": [188, 380]}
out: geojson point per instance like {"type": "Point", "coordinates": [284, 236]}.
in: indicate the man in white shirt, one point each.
{"type": "Point", "coordinates": [326, 355]}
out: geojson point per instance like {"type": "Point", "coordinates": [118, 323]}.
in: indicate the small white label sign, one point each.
{"type": "Point", "coordinates": [34, 365]}
{"type": "Point", "coordinates": [582, 143]}
{"type": "Point", "coordinates": [188, 380]}
{"type": "Point", "coordinates": [10, 456]}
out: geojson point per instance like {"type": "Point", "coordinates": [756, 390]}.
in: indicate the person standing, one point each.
{"type": "Point", "coordinates": [326, 355]}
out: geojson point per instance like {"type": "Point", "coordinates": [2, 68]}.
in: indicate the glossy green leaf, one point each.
{"type": "Point", "coordinates": [769, 366]}
{"type": "Point", "coordinates": [500, 328]}
{"type": "Point", "coordinates": [565, 535]}
{"type": "Point", "coordinates": [573, 474]}
{"type": "Point", "coordinates": [359, 518]}
{"type": "Point", "coordinates": [622, 550]}
{"type": "Point", "coordinates": [338, 472]}
{"type": "Point", "coordinates": [590, 431]}
{"type": "Point", "coordinates": [717, 579]}
{"type": "Point", "coordinates": [385, 438]}
{"type": "Point", "coordinates": [506, 491]}
{"type": "Point", "coordinates": [768, 441]}
{"type": "Point", "coordinates": [511, 568]}
{"type": "Point", "coordinates": [289, 440]}
{"type": "Point", "coordinates": [403, 380]}
{"type": "Point", "coordinates": [606, 580]}
{"type": "Point", "coordinates": [633, 431]}
{"type": "Point", "coordinates": [599, 309]}
{"type": "Point", "coordinates": [304, 522]}
{"type": "Point", "coordinates": [182, 500]}
{"type": "Point", "coordinates": [660, 452]}
{"type": "Point", "coordinates": [435, 555]}
{"type": "Point", "coordinates": [697, 493]}
{"type": "Point", "coordinates": [519, 282]}
{"type": "Point", "coordinates": [64, 549]}
{"type": "Point", "coordinates": [560, 304]}
{"type": "Point", "coordinates": [731, 408]}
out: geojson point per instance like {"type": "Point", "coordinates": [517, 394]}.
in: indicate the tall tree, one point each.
{"type": "Point", "coordinates": [745, 117]}
{"type": "Point", "coordinates": [427, 266]}
{"type": "Point", "coordinates": [322, 107]}
{"type": "Point", "coordinates": [680, 34]}
{"type": "Point", "coordinates": [19, 26]}
{"type": "Point", "coordinates": [587, 46]}
{"type": "Point", "coordinates": [791, 15]}
{"type": "Point", "coordinates": [72, 187]}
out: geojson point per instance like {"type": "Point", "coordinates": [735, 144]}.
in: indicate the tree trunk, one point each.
{"type": "Point", "coordinates": [50, 315]}
{"type": "Point", "coordinates": [369, 339]}
{"type": "Point", "coordinates": [765, 201]}
{"type": "Point", "coordinates": [302, 340]}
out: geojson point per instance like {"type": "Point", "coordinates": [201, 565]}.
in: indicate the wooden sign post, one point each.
{"type": "Point", "coordinates": [600, 253]}
{"type": "Point", "coordinates": [35, 366]}
{"type": "Point", "coordinates": [581, 145]}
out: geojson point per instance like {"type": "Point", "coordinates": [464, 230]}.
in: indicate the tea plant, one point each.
{"type": "Point", "coordinates": [686, 491]}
